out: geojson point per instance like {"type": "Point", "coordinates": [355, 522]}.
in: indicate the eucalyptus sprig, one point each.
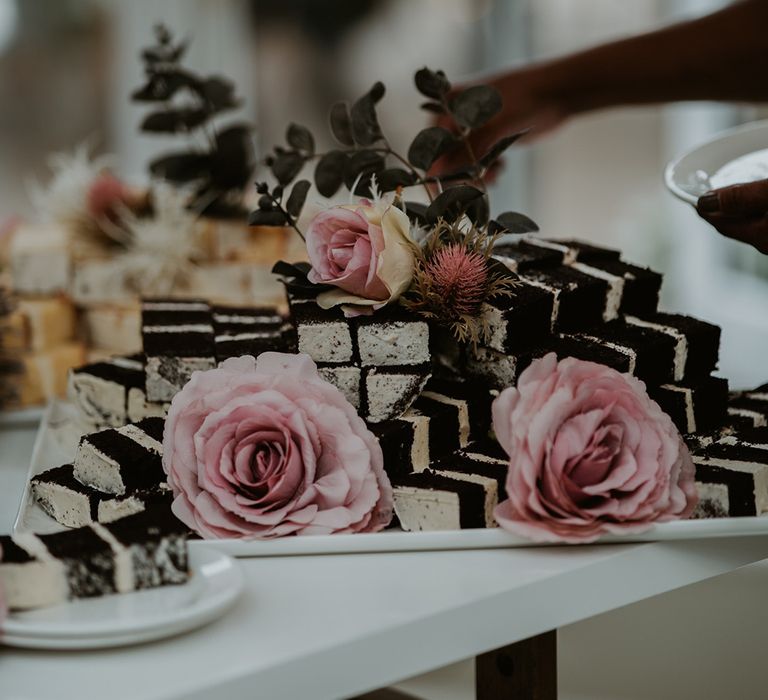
{"type": "Point", "coordinates": [364, 156]}
{"type": "Point", "coordinates": [220, 161]}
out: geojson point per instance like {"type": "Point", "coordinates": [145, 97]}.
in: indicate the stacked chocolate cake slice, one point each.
{"type": "Point", "coordinates": [144, 550]}
{"type": "Point", "coordinates": [115, 473]}
{"type": "Point", "coordinates": [379, 362]}
{"type": "Point", "coordinates": [179, 337]}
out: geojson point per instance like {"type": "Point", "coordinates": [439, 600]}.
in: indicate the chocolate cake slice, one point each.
{"type": "Point", "coordinates": [430, 501]}
{"type": "Point", "coordinates": [580, 300]}
{"type": "Point", "coordinates": [732, 478]}
{"type": "Point", "coordinates": [138, 551]}
{"type": "Point", "coordinates": [749, 408]}
{"type": "Point", "coordinates": [641, 285]}
{"type": "Point", "coordinates": [573, 251]}
{"type": "Point", "coordinates": [447, 416]}
{"type": "Point", "coordinates": [457, 491]}
{"type": "Point", "coordinates": [248, 331]}
{"type": "Point", "coordinates": [520, 255]}
{"type": "Point", "coordinates": [520, 319]}
{"type": "Point", "coordinates": [178, 339]}
{"type": "Point", "coordinates": [29, 581]}
{"type": "Point", "coordinates": [101, 390]}
{"type": "Point", "coordinates": [652, 353]}
{"type": "Point", "coordinates": [697, 342]}
{"type": "Point", "coordinates": [502, 370]}
{"type": "Point", "coordinates": [73, 504]}
{"type": "Point", "coordinates": [122, 460]}
{"type": "Point", "coordinates": [695, 406]}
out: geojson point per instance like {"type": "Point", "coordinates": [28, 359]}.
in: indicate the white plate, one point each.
{"type": "Point", "coordinates": [129, 618]}
{"type": "Point", "coordinates": [731, 157]}
{"type": "Point", "coordinates": [58, 437]}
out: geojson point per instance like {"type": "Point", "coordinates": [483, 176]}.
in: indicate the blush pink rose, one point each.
{"type": "Point", "coordinates": [363, 250]}
{"type": "Point", "coordinates": [589, 453]}
{"type": "Point", "coordinates": [265, 448]}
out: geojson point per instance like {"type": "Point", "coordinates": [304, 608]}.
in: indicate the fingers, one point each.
{"type": "Point", "coordinates": [745, 200]}
{"type": "Point", "coordinates": [753, 231]}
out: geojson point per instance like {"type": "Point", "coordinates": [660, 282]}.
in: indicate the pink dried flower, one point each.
{"type": "Point", "coordinates": [460, 277]}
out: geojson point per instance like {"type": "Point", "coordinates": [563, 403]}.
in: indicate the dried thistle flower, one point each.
{"type": "Point", "coordinates": [453, 278]}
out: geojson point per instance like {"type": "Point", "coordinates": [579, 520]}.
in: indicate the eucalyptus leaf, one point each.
{"type": "Point", "coordinates": [417, 212]}
{"type": "Point", "coordinates": [341, 125]}
{"type": "Point", "coordinates": [365, 124]}
{"type": "Point", "coordinates": [429, 145]}
{"type": "Point", "coordinates": [287, 166]}
{"type": "Point", "coordinates": [300, 138]}
{"type": "Point", "coordinates": [493, 153]}
{"type": "Point", "coordinates": [513, 222]}
{"type": "Point", "coordinates": [180, 167]}
{"type": "Point", "coordinates": [453, 202]}
{"type": "Point", "coordinates": [219, 93]}
{"type": "Point", "coordinates": [174, 120]}
{"type": "Point", "coordinates": [434, 107]}
{"type": "Point", "coordinates": [359, 169]}
{"type": "Point", "coordinates": [329, 173]}
{"type": "Point", "coordinates": [266, 218]}
{"type": "Point", "coordinates": [297, 198]}
{"type": "Point", "coordinates": [473, 107]}
{"type": "Point", "coordinates": [390, 179]}
{"type": "Point", "coordinates": [431, 83]}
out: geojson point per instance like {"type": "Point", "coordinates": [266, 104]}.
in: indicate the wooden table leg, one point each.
{"type": "Point", "coordinates": [526, 670]}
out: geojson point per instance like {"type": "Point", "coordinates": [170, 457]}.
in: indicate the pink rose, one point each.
{"type": "Point", "coordinates": [589, 453]}
{"type": "Point", "coordinates": [365, 251]}
{"type": "Point", "coordinates": [264, 448]}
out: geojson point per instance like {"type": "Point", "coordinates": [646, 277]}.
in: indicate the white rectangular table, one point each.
{"type": "Point", "coordinates": [333, 626]}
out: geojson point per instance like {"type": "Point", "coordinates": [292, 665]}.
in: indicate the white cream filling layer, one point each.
{"type": "Point", "coordinates": [65, 506]}
{"type": "Point", "coordinates": [326, 342]}
{"type": "Point", "coordinates": [346, 380]}
{"type": "Point", "coordinates": [569, 254]}
{"type": "Point", "coordinates": [188, 328]}
{"type": "Point", "coordinates": [138, 435]}
{"type": "Point", "coordinates": [174, 306]}
{"type": "Point", "coordinates": [690, 416]}
{"type": "Point", "coordinates": [97, 470]}
{"type": "Point", "coordinates": [246, 319]}
{"type": "Point", "coordinates": [394, 343]}
{"type": "Point", "coordinates": [681, 342]}
{"type": "Point", "coordinates": [758, 419]}
{"type": "Point", "coordinates": [248, 336]}
{"type": "Point", "coordinates": [34, 584]}
{"type": "Point", "coordinates": [425, 509]}
{"type": "Point", "coordinates": [554, 291]}
{"type": "Point", "coordinates": [462, 410]}
{"type": "Point", "coordinates": [615, 289]}
{"type": "Point", "coordinates": [758, 471]}
{"type": "Point", "coordinates": [387, 391]}
{"type": "Point", "coordinates": [623, 349]}
{"type": "Point", "coordinates": [123, 561]}
{"type": "Point", "coordinates": [420, 444]}
{"type": "Point", "coordinates": [101, 401]}
{"type": "Point", "coordinates": [490, 486]}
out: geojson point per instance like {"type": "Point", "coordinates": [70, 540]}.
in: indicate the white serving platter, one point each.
{"type": "Point", "coordinates": [59, 432]}
{"type": "Point", "coordinates": [731, 157]}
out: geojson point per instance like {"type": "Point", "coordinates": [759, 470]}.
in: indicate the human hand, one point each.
{"type": "Point", "coordinates": [739, 212]}
{"type": "Point", "coordinates": [526, 103]}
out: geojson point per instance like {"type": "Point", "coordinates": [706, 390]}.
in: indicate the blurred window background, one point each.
{"type": "Point", "coordinates": [67, 68]}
